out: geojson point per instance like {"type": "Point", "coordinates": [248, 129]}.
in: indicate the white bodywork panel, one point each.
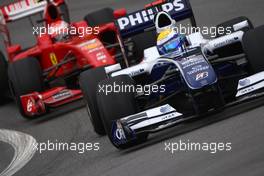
{"type": "Point", "coordinates": [250, 84]}
{"type": "Point", "coordinates": [154, 116]}
{"type": "Point", "coordinates": [240, 25]}
{"type": "Point", "coordinates": [224, 41]}
{"type": "Point", "coordinates": [196, 39]}
{"type": "Point", "coordinates": [112, 68]}
{"type": "Point", "coordinates": [151, 53]}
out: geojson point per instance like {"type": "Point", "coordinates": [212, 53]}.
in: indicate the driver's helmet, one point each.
{"type": "Point", "coordinates": [169, 41]}
{"type": "Point", "coordinates": [59, 30]}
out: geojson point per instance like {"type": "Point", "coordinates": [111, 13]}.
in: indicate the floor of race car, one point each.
{"type": "Point", "coordinates": [244, 130]}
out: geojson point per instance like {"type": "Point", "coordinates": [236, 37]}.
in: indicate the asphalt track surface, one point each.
{"type": "Point", "coordinates": [243, 126]}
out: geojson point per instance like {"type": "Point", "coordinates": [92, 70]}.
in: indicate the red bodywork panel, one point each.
{"type": "Point", "coordinates": [88, 51]}
{"type": "Point", "coordinates": [36, 104]}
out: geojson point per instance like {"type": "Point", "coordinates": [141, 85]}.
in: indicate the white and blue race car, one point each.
{"type": "Point", "coordinates": [206, 76]}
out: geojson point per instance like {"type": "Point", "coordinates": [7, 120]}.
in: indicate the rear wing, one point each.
{"type": "Point", "coordinates": [25, 8]}
{"type": "Point", "coordinates": [142, 20]}
{"type": "Point", "coordinates": [22, 9]}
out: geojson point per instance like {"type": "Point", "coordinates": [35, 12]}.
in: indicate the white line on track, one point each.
{"type": "Point", "coordinates": [23, 145]}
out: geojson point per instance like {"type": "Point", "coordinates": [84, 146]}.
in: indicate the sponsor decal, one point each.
{"type": "Point", "coordinates": [53, 59]}
{"type": "Point", "coordinates": [197, 72]}
{"type": "Point", "coordinates": [247, 90]}
{"type": "Point", "coordinates": [165, 109]}
{"type": "Point", "coordinates": [226, 42]}
{"type": "Point", "coordinates": [118, 133]}
{"type": "Point", "coordinates": [137, 72]}
{"type": "Point", "coordinates": [193, 62]}
{"type": "Point", "coordinates": [169, 116]}
{"type": "Point", "coordinates": [147, 15]}
{"type": "Point", "coordinates": [244, 82]}
{"type": "Point", "coordinates": [201, 68]}
{"type": "Point", "coordinates": [91, 46]}
{"type": "Point", "coordinates": [101, 56]}
{"type": "Point", "coordinates": [29, 105]}
{"type": "Point", "coordinates": [201, 76]}
{"type": "Point", "coordinates": [250, 84]}
{"type": "Point", "coordinates": [61, 95]}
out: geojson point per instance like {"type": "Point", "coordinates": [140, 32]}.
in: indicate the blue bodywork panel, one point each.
{"type": "Point", "coordinates": [196, 71]}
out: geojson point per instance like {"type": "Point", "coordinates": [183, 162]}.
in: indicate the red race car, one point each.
{"type": "Point", "coordinates": [46, 76]}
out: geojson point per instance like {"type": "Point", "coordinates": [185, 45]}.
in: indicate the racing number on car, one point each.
{"type": "Point", "coordinates": [53, 58]}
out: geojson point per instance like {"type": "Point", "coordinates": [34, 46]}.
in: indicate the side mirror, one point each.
{"type": "Point", "coordinates": [13, 49]}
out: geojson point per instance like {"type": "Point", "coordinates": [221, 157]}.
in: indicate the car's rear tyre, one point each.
{"type": "Point", "coordinates": [99, 17]}
{"type": "Point", "coordinates": [89, 81]}
{"type": "Point", "coordinates": [235, 48]}
{"type": "Point", "coordinates": [116, 105]}
{"type": "Point", "coordinates": [3, 77]}
{"type": "Point", "coordinates": [25, 77]}
{"type": "Point", "coordinates": [254, 49]}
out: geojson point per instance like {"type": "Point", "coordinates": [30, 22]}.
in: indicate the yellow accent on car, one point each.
{"type": "Point", "coordinates": [53, 58]}
{"type": "Point", "coordinates": [164, 34]}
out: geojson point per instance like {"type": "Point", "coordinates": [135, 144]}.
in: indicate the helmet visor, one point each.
{"type": "Point", "coordinates": [172, 45]}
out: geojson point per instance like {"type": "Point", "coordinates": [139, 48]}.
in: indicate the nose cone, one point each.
{"type": "Point", "coordinates": [163, 21]}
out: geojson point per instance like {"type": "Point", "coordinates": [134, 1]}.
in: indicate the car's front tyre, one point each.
{"type": "Point", "coordinates": [25, 77]}
{"type": "Point", "coordinates": [116, 105]}
{"type": "Point", "coordinates": [89, 81]}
